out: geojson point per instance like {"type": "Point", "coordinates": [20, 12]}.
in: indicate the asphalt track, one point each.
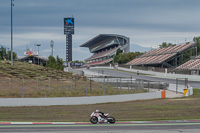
{"type": "Point", "coordinates": [194, 84]}
{"type": "Point", "coordinates": [192, 127]}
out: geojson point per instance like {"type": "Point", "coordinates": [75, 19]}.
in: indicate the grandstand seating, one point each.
{"type": "Point", "coordinates": [98, 62]}
{"type": "Point", "coordinates": [197, 57]}
{"type": "Point", "coordinates": [193, 64]}
{"type": "Point", "coordinates": [102, 54]}
{"type": "Point", "coordinates": [151, 59]}
{"type": "Point", "coordinates": [104, 46]}
{"type": "Point", "coordinates": [171, 49]}
{"type": "Point", "coordinates": [158, 56]}
{"type": "Point", "coordinates": [190, 65]}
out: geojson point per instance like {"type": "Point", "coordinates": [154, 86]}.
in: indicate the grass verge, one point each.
{"type": "Point", "coordinates": [159, 109]}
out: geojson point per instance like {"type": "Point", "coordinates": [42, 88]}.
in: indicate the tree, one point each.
{"type": "Point", "coordinates": [55, 63]}
{"type": "Point", "coordinates": [123, 58]}
{"type": "Point", "coordinates": [197, 40]}
{"type": "Point", "coordinates": [51, 62]}
{"type": "Point", "coordinates": [6, 54]}
{"type": "Point", "coordinates": [165, 44]}
{"type": "Point", "coordinates": [3, 53]}
{"type": "Point", "coordinates": [59, 63]}
{"type": "Point", "coordinates": [118, 51]}
{"type": "Point", "coordinates": [9, 55]}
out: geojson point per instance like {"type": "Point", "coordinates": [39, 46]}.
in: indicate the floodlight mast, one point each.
{"type": "Point", "coordinates": [38, 51]}
{"type": "Point", "coordinates": [51, 45]}
{"type": "Point", "coordinates": [11, 33]}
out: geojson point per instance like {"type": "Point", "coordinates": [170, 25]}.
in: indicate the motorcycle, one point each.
{"type": "Point", "coordinates": [99, 118]}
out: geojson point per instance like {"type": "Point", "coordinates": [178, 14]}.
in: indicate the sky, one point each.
{"type": "Point", "coordinates": [147, 22]}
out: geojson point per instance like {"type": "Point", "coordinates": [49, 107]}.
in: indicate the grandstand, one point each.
{"type": "Point", "coordinates": [171, 56]}
{"type": "Point", "coordinates": [104, 47]}
{"type": "Point", "coordinates": [193, 64]}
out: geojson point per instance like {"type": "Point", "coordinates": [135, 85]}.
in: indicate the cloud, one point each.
{"type": "Point", "coordinates": [79, 50]}
{"type": "Point", "coordinates": [146, 22]}
{"type": "Point", "coordinates": [46, 51]}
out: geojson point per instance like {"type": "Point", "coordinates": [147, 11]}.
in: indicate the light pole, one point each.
{"type": "Point", "coordinates": [51, 45]}
{"type": "Point", "coordinates": [8, 54]}
{"type": "Point", "coordinates": [38, 52]}
{"type": "Point", "coordinates": [11, 34]}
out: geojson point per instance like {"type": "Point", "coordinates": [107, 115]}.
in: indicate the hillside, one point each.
{"type": "Point", "coordinates": [27, 70]}
{"type": "Point", "coordinates": [39, 81]}
{"type": "Point", "coordinates": [138, 48]}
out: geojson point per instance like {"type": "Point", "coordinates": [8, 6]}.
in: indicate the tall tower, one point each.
{"type": "Point", "coordinates": [68, 31]}
{"type": "Point", "coordinates": [51, 45]}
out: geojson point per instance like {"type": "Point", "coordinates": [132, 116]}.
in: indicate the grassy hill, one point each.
{"type": "Point", "coordinates": [30, 80]}
{"type": "Point", "coordinates": [27, 70]}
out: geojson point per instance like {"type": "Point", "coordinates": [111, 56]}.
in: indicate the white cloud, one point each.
{"type": "Point", "coordinates": [79, 50]}
{"type": "Point", "coordinates": [46, 51]}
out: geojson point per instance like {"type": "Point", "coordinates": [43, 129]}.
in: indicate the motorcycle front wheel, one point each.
{"type": "Point", "coordinates": [94, 120]}
{"type": "Point", "coordinates": [111, 120]}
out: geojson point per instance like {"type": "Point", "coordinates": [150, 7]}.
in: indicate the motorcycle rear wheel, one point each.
{"type": "Point", "coordinates": [94, 120]}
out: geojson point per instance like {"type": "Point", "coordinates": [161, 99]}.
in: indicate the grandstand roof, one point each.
{"type": "Point", "coordinates": [167, 50]}
{"type": "Point", "coordinates": [99, 38]}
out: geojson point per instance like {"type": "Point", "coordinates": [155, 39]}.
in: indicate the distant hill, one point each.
{"type": "Point", "coordinates": [136, 47]}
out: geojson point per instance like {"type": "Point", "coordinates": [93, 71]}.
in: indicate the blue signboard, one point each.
{"type": "Point", "coordinates": [77, 64]}
{"type": "Point", "coordinates": [68, 22]}
{"type": "Point", "coordinates": [68, 26]}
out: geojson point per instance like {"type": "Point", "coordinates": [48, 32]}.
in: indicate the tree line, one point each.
{"type": "Point", "coordinates": [56, 63]}
{"type": "Point", "coordinates": [6, 54]}
{"type": "Point", "coordinates": [122, 58]}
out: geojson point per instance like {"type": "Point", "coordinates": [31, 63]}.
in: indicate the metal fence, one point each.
{"type": "Point", "coordinates": [75, 86]}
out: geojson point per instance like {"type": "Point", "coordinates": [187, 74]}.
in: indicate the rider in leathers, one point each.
{"type": "Point", "coordinates": [101, 113]}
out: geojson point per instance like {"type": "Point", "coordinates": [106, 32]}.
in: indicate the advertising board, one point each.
{"type": "Point", "coordinates": [68, 26]}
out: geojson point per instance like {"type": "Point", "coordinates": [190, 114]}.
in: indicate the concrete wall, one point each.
{"type": "Point", "coordinates": [77, 100]}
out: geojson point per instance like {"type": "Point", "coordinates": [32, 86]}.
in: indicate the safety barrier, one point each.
{"type": "Point", "coordinates": [163, 94]}
{"type": "Point", "coordinates": [188, 92]}
{"type": "Point", "coordinates": [77, 100]}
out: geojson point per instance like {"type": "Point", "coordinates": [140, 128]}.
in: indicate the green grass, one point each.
{"type": "Point", "coordinates": [28, 70]}
{"type": "Point", "coordinates": [161, 109]}
{"type": "Point", "coordinates": [196, 92]}
{"type": "Point", "coordinates": [146, 110]}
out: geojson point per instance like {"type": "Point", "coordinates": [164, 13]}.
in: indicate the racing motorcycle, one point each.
{"type": "Point", "coordinates": [99, 118]}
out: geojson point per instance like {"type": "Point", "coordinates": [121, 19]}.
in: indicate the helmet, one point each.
{"type": "Point", "coordinates": [97, 111]}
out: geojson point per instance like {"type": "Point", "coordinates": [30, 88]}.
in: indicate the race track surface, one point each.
{"type": "Point", "coordinates": [168, 127]}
